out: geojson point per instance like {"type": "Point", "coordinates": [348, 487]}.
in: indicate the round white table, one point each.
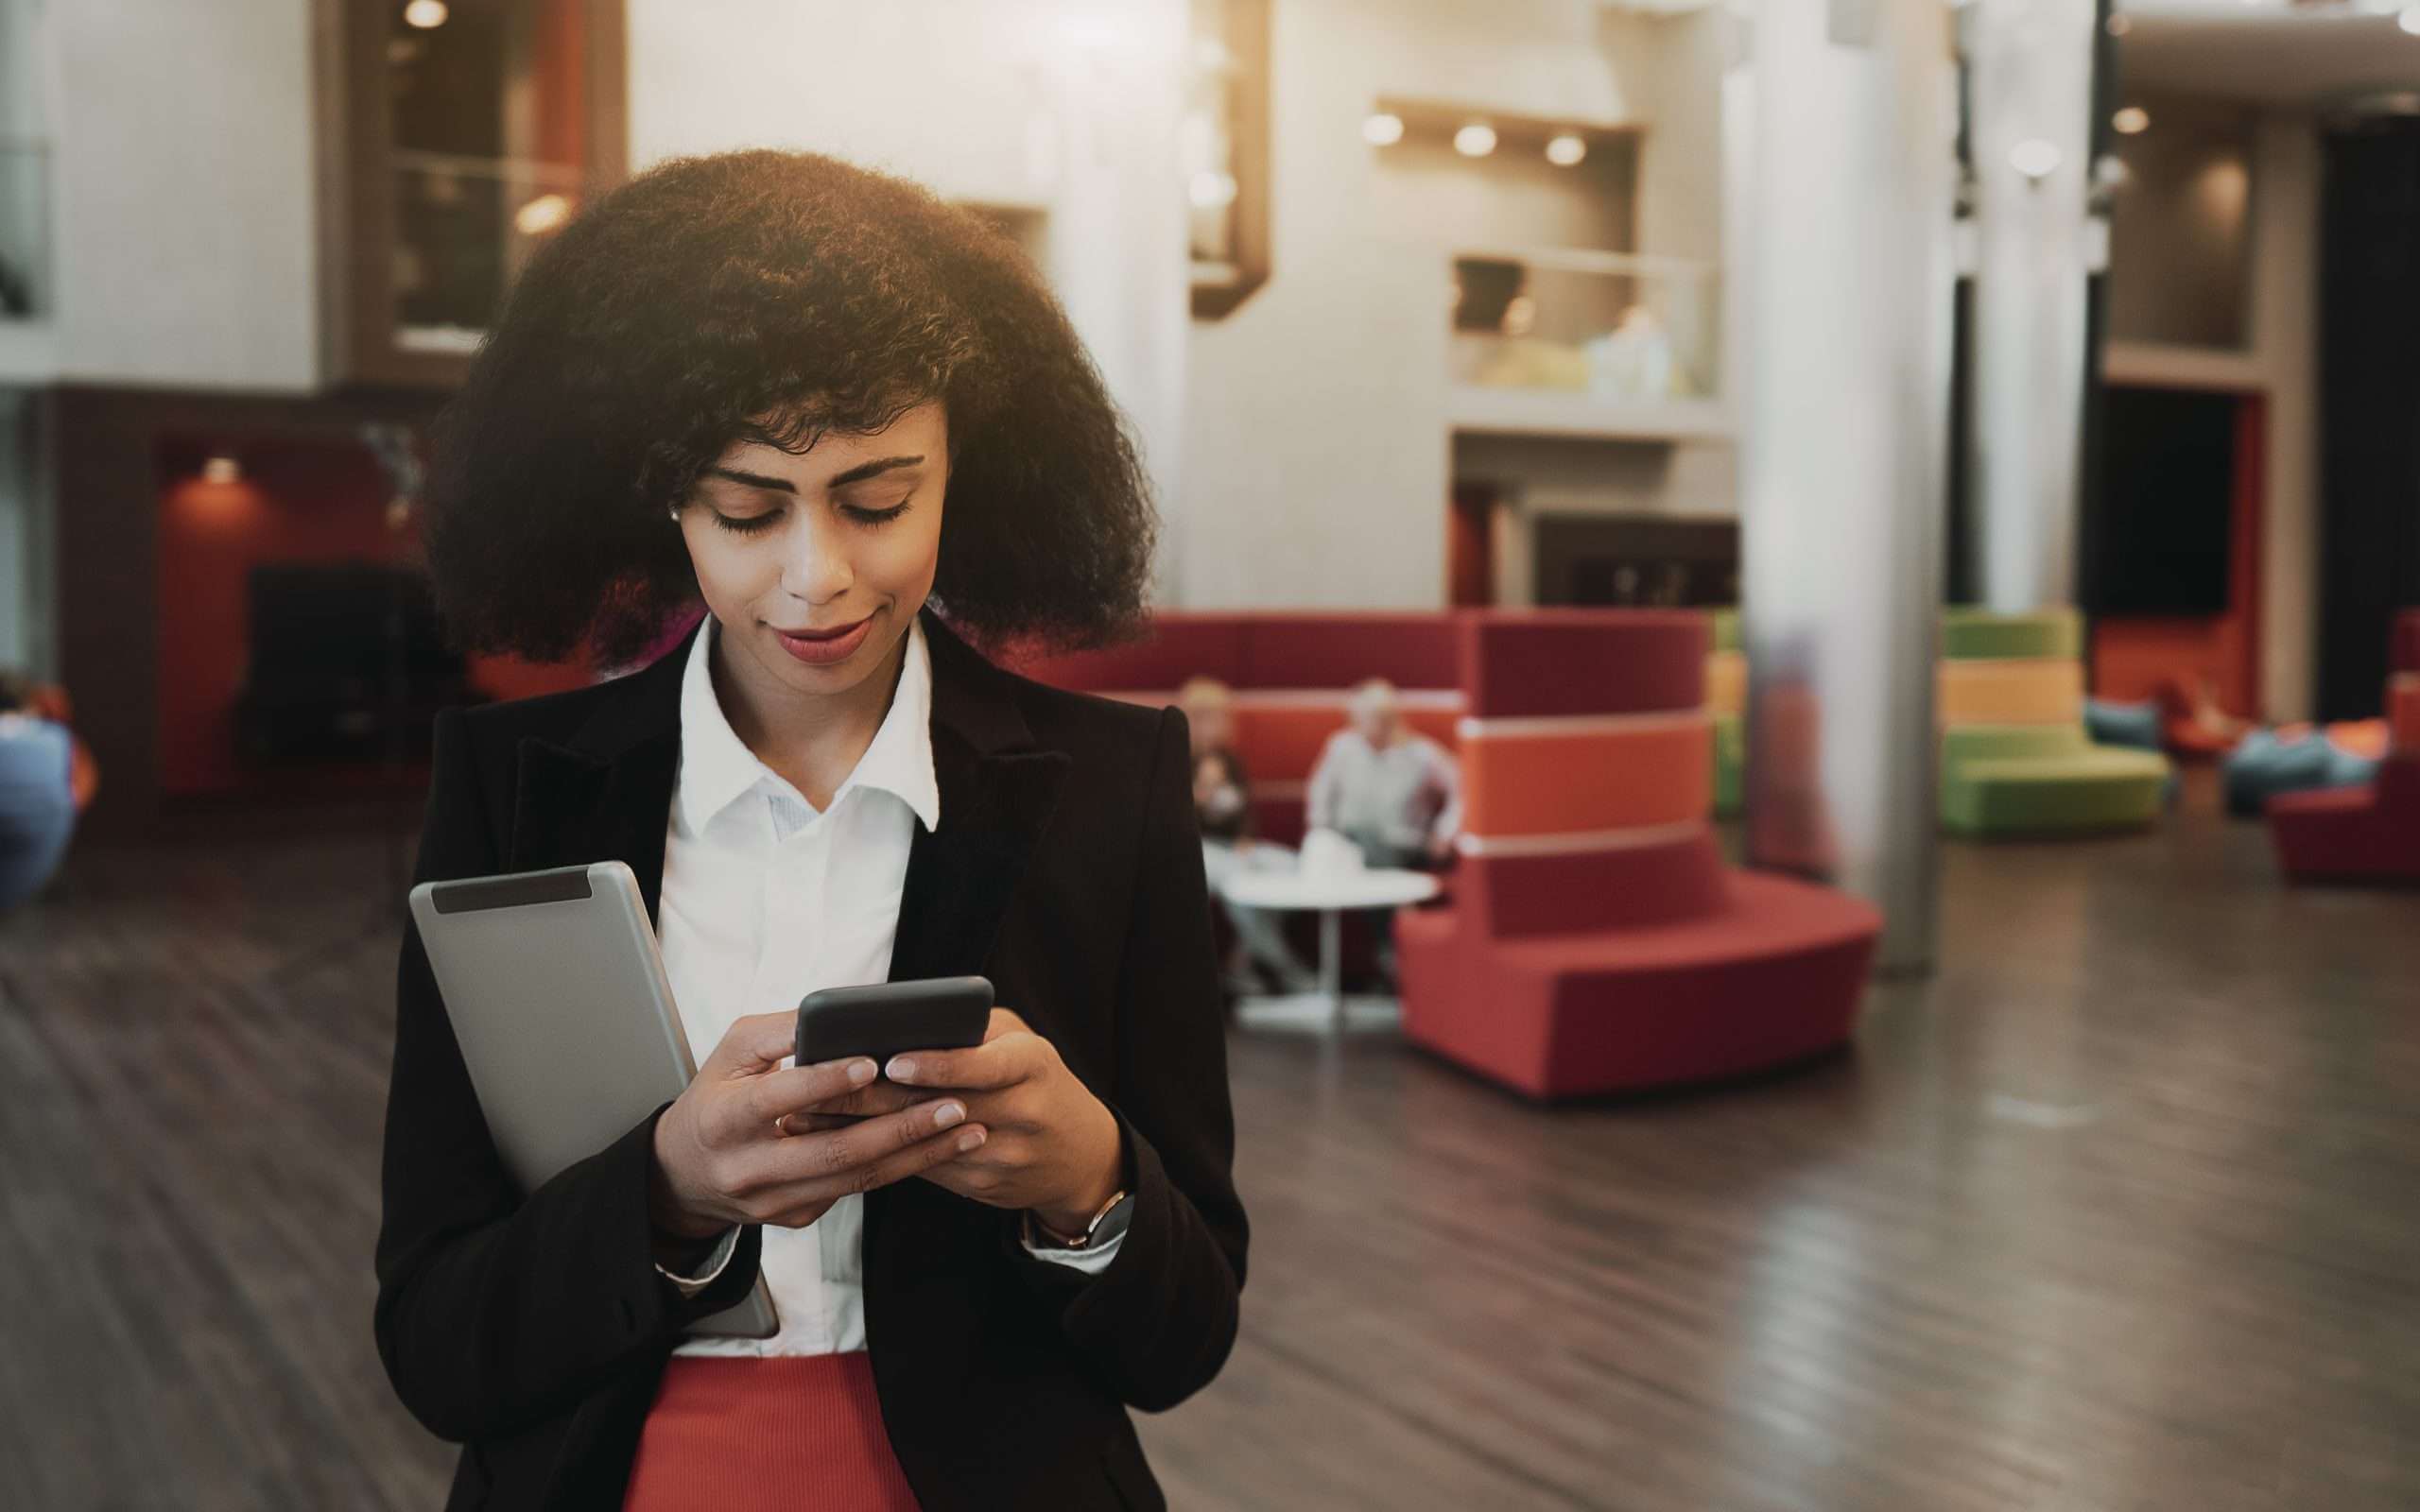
{"type": "Point", "coordinates": [1331, 894]}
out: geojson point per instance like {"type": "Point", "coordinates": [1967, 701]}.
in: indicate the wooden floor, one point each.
{"type": "Point", "coordinates": [2120, 1210]}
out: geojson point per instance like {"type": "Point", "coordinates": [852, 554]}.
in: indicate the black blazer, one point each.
{"type": "Point", "coordinates": [533, 1327]}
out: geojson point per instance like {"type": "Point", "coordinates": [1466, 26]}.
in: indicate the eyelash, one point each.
{"type": "Point", "coordinates": [755, 525]}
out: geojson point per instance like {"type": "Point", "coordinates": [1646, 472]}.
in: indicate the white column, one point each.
{"type": "Point", "coordinates": [1117, 233]}
{"type": "Point", "coordinates": [1840, 136]}
{"type": "Point", "coordinates": [2031, 98]}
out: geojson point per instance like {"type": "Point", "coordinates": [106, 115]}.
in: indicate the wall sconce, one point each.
{"type": "Point", "coordinates": [222, 467]}
{"type": "Point", "coordinates": [540, 215]}
{"type": "Point", "coordinates": [2037, 158]}
{"type": "Point", "coordinates": [2132, 120]}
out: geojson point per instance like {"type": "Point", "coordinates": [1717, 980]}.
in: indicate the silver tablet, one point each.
{"type": "Point", "coordinates": [559, 1002]}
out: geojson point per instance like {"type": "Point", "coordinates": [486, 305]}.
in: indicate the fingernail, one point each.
{"type": "Point", "coordinates": [901, 1069]}
{"type": "Point", "coordinates": [861, 1071]}
{"type": "Point", "coordinates": [949, 1113]}
{"type": "Point", "coordinates": [971, 1139]}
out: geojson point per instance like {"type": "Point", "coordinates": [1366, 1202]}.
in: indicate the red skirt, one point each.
{"type": "Point", "coordinates": [781, 1434]}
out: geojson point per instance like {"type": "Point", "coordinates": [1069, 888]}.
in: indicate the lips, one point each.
{"type": "Point", "coordinates": [824, 648]}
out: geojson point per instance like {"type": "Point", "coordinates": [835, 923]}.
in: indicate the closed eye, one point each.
{"type": "Point", "coordinates": [747, 524]}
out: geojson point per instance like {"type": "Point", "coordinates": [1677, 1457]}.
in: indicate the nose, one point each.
{"type": "Point", "coordinates": [817, 569]}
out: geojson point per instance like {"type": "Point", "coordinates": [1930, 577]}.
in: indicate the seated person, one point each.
{"type": "Point", "coordinates": [1222, 800]}
{"type": "Point", "coordinates": [45, 777]}
{"type": "Point", "coordinates": [1391, 791]}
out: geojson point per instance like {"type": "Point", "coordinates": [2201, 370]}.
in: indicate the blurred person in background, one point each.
{"type": "Point", "coordinates": [821, 402]}
{"type": "Point", "coordinates": [1391, 791]}
{"type": "Point", "coordinates": [46, 778]}
{"type": "Point", "coordinates": [1209, 709]}
{"type": "Point", "coordinates": [1222, 806]}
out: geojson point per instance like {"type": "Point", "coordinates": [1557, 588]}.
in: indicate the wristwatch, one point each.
{"type": "Point", "coordinates": [1107, 1223]}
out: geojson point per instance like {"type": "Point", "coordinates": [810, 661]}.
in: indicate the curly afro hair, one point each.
{"type": "Point", "coordinates": [774, 296]}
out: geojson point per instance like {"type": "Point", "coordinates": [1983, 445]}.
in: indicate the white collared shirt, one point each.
{"type": "Point", "coordinates": [766, 900]}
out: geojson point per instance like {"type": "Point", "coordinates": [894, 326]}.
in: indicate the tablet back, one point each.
{"type": "Point", "coordinates": [559, 1001]}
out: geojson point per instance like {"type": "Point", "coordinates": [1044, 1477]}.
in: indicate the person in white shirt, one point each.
{"type": "Point", "coordinates": [1389, 789]}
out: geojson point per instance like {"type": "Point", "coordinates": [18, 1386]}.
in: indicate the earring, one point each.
{"type": "Point", "coordinates": [672, 512]}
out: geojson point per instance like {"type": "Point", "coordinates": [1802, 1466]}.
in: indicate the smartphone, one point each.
{"type": "Point", "coordinates": [884, 1019]}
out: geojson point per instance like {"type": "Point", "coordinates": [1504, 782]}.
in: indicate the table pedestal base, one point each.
{"type": "Point", "coordinates": [1316, 1013]}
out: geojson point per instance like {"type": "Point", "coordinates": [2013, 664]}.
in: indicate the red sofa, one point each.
{"type": "Point", "coordinates": [1593, 940]}
{"type": "Point", "coordinates": [1290, 675]}
{"type": "Point", "coordinates": [2368, 833]}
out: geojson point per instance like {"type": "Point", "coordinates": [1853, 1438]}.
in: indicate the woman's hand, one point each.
{"type": "Point", "coordinates": [725, 1153]}
{"type": "Point", "coordinates": [1054, 1148]}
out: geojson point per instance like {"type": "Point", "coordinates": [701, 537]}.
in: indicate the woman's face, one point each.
{"type": "Point", "coordinates": [816, 564]}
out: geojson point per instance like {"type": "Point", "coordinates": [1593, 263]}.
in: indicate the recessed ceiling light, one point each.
{"type": "Point", "coordinates": [2132, 120]}
{"type": "Point", "coordinates": [1475, 139]}
{"type": "Point", "coordinates": [1383, 128]}
{"type": "Point", "coordinates": [1564, 150]}
{"type": "Point", "coordinates": [427, 15]}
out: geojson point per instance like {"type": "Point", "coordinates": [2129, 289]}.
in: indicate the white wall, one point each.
{"type": "Point", "coordinates": [182, 184]}
{"type": "Point", "coordinates": [1065, 107]}
{"type": "Point", "coordinates": [1320, 455]}
{"type": "Point", "coordinates": [2281, 362]}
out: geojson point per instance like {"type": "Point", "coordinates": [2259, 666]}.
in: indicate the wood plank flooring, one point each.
{"type": "Point", "coordinates": [2118, 1210]}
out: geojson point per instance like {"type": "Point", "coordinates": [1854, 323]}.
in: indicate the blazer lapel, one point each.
{"type": "Point", "coordinates": [606, 794]}
{"type": "Point", "coordinates": [998, 791]}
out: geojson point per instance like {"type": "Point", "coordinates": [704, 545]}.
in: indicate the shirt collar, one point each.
{"type": "Point", "coordinates": [716, 767]}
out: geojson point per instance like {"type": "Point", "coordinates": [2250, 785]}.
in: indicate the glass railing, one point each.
{"type": "Point", "coordinates": [25, 228]}
{"type": "Point", "coordinates": [1613, 326]}
{"type": "Point", "coordinates": [463, 228]}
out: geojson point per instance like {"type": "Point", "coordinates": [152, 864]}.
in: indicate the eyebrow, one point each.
{"type": "Point", "coordinates": [840, 480]}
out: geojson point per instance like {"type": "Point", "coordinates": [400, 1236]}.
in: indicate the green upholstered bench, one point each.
{"type": "Point", "coordinates": [2045, 780]}
{"type": "Point", "coordinates": [1979, 635]}
{"type": "Point", "coordinates": [1730, 764]}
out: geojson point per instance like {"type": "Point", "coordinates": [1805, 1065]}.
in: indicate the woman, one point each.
{"type": "Point", "coordinates": [1222, 811]}
{"type": "Point", "coordinates": [814, 399]}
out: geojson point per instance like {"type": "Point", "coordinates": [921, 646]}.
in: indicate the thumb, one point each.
{"type": "Point", "coordinates": [753, 1045]}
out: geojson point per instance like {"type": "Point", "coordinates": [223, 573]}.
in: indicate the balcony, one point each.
{"type": "Point", "coordinates": [1613, 346]}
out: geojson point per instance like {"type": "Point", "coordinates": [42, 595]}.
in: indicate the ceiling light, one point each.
{"type": "Point", "coordinates": [2037, 158]}
{"type": "Point", "coordinates": [427, 15]}
{"type": "Point", "coordinates": [1475, 139]}
{"type": "Point", "coordinates": [1564, 150]}
{"type": "Point", "coordinates": [2410, 20]}
{"type": "Point", "coordinates": [2132, 120]}
{"type": "Point", "coordinates": [1210, 190]}
{"type": "Point", "coordinates": [1383, 128]}
{"type": "Point", "coordinates": [541, 214]}
{"type": "Point", "coordinates": [222, 468]}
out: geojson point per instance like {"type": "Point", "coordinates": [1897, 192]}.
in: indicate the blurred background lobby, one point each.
{"type": "Point", "coordinates": [1901, 520]}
